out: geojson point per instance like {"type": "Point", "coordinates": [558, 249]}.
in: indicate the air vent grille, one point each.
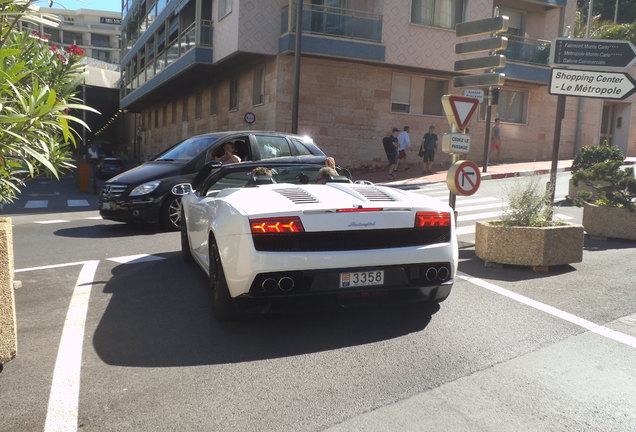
{"type": "Point", "coordinates": [373, 194]}
{"type": "Point", "coordinates": [298, 195]}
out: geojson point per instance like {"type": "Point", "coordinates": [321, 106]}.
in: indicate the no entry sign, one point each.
{"type": "Point", "coordinates": [463, 178]}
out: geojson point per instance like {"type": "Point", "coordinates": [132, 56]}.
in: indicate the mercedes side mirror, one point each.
{"type": "Point", "coordinates": [182, 189]}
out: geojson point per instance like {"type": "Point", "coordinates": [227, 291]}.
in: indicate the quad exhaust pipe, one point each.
{"type": "Point", "coordinates": [437, 274]}
{"type": "Point", "coordinates": [285, 284]}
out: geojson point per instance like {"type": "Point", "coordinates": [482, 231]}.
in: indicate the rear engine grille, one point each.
{"type": "Point", "coordinates": [350, 240]}
{"type": "Point", "coordinates": [372, 194]}
{"type": "Point", "coordinates": [298, 196]}
{"type": "Point", "coordinates": [113, 191]}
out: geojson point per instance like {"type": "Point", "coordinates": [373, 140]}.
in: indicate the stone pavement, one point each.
{"type": "Point", "coordinates": [414, 177]}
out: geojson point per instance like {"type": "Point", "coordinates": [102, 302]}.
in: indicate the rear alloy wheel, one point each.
{"type": "Point", "coordinates": [223, 305]}
{"type": "Point", "coordinates": [171, 213]}
{"type": "Point", "coordinates": [186, 253]}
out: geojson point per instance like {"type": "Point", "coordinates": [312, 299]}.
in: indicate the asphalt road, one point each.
{"type": "Point", "coordinates": [124, 333]}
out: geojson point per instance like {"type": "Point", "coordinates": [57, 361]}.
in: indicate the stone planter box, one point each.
{"type": "Point", "coordinates": [529, 246]}
{"type": "Point", "coordinates": [612, 222]}
{"type": "Point", "coordinates": [573, 191]}
{"type": "Point", "coordinates": [8, 335]}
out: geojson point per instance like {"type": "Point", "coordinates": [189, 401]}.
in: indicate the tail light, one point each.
{"type": "Point", "coordinates": [432, 219]}
{"type": "Point", "coordinates": [276, 225]}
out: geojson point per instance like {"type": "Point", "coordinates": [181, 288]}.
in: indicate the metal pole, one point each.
{"type": "Point", "coordinates": [297, 53]}
{"type": "Point", "coordinates": [616, 12]}
{"type": "Point", "coordinates": [581, 101]}
{"type": "Point", "coordinates": [452, 198]}
{"type": "Point", "coordinates": [484, 165]}
{"type": "Point", "coordinates": [560, 112]}
{"type": "Point", "coordinates": [590, 12]}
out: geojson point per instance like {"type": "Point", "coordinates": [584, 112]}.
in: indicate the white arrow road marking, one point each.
{"type": "Point", "coordinates": [36, 204]}
{"type": "Point", "coordinates": [136, 259]}
{"type": "Point", "coordinates": [77, 203]}
{"type": "Point", "coordinates": [62, 413]}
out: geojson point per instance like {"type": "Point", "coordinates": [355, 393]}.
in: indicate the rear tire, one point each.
{"type": "Point", "coordinates": [223, 305]}
{"type": "Point", "coordinates": [171, 213]}
{"type": "Point", "coordinates": [186, 253]}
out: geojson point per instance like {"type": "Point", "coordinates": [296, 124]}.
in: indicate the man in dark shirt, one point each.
{"type": "Point", "coordinates": [390, 143]}
{"type": "Point", "coordinates": [429, 145]}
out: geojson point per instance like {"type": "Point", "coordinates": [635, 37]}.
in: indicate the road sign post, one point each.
{"type": "Point", "coordinates": [463, 178]}
{"type": "Point", "coordinates": [592, 54]}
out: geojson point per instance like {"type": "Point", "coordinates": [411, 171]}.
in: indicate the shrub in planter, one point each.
{"type": "Point", "coordinates": [610, 211]}
{"type": "Point", "coordinates": [527, 233]}
{"type": "Point", "coordinates": [586, 159]}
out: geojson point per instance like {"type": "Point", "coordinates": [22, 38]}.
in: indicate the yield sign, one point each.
{"type": "Point", "coordinates": [459, 109]}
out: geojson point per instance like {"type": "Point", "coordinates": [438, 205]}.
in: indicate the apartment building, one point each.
{"type": "Point", "coordinates": [195, 66]}
{"type": "Point", "coordinates": [96, 32]}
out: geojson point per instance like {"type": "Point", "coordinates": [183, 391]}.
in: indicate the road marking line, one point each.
{"type": "Point", "coordinates": [469, 229]}
{"type": "Point", "coordinates": [30, 204]}
{"type": "Point", "coordinates": [471, 200]}
{"type": "Point", "coordinates": [94, 218]}
{"type": "Point", "coordinates": [481, 207]}
{"type": "Point", "coordinates": [52, 221]}
{"type": "Point", "coordinates": [478, 216]}
{"type": "Point", "coordinates": [563, 216]}
{"type": "Point", "coordinates": [550, 310]}
{"type": "Point", "coordinates": [136, 259]}
{"type": "Point", "coordinates": [62, 412]}
{"type": "Point", "coordinates": [52, 266]}
{"type": "Point", "coordinates": [77, 203]}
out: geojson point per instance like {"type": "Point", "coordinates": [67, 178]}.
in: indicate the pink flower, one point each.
{"type": "Point", "coordinates": [53, 47]}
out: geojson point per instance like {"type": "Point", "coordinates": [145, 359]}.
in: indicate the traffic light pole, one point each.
{"type": "Point", "coordinates": [484, 166]}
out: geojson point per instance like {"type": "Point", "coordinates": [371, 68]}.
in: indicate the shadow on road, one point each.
{"type": "Point", "coordinates": [109, 230]}
{"type": "Point", "coordinates": [159, 315]}
{"type": "Point", "coordinates": [469, 263]}
{"type": "Point", "coordinates": [595, 245]}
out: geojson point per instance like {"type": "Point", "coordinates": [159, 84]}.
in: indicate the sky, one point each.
{"type": "Point", "coordinates": [109, 5]}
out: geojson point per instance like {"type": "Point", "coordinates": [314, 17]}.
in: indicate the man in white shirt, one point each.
{"type": "Point", "coordinates": [404, 140]}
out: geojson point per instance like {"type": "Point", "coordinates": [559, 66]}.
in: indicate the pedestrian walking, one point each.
{"type": "Point", "coordinates": [495, 140]}
{"type": "Point", "coordinates": [404, 141]}
{"type": "Point", "coordinates": [391, 145]}
{"type": "Point", "coordinates": [427, 149]}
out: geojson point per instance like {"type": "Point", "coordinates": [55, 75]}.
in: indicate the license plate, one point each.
{"type": "Point", "coordinates": [360, 279]}
{"type": "Point", "coordinates": [105, 206]}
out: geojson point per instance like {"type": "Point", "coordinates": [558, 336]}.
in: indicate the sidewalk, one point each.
{"type": "Point", "coordinates": [413, 177]}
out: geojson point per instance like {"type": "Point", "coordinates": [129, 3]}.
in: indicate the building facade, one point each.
{"type": "Point", "coordinates": [96, 32]}
{"type": "Point", "coordinates": [196, 66]}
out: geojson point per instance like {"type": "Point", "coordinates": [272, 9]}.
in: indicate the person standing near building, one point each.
{"type": "Point", "coordinates": [429, 145]}
{"type": "Point", "coordinates": [391, 144]}
{"type": "Point", "coordinates": [495, 140]}
{"type": "Point", "coordinates": [404, 141]}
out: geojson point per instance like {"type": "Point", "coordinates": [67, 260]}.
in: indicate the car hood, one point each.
{"type": "Point", "coordinates": [147, 172]}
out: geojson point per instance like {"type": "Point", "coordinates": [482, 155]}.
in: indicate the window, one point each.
{"type": "Point", "coordinates": [233, 94]}
{"type": "Point", "coordinates": [214, 100]}
{"type": "Point", "coordinates": [272, 146]}
{"type": "Point", "coordinates": [512, 106]}
{"type": "Point", "coordinates": [417, 94]}
{"type": "Point", "coordinates": [184, 109]}
{"type": "Point", "coordinates": [300, 147]}
{"type": "Point", "coordinates": [225, 7]}
{"type": "Point", "coordinates": [438, 13]}
{"type": "Point", "coordinates": [198, 101]}
{"type": "Point", "coordinates": [69, 37]}
{"type": "Point", "coordinates": [258, 95]}
{"type": "Point", "coordinates": [100, 40]}
{"type": "Point", "coordinates": [401, 93]}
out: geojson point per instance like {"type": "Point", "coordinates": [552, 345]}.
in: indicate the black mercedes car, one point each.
{"type": "Point", "coordinates": [143, 194]}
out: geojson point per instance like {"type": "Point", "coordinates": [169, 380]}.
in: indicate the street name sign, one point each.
{"type": "Point", "coordinates": [481, 80]}
{"type": "Point", "coordinates": [459, 109]}
{"type": "Point", "coordinates": [496, 43]}
{"type": "Point", "coordinates": [463, 178]}
{"type": "Point", "coordinates": [475, 94]}
{"type": "Point", "coordinates": [591, 84]}
{"type": "Point", "coordinates": [456, 143]}
{"type": "Point", "coordinates": [481, 63]}
{"type": "Point", "coordinates": [482, 27]}
{"type": "Point", "coordinates": [592, 53]}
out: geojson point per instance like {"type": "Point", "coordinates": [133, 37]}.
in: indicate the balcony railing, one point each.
{"type": "Point", "coordinates": [524, 50]}
{"type": "Point", "coordinates": [331, 21]}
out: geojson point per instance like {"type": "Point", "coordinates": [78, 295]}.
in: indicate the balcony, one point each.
{"type": "Point", "coordinates": [527, 59]}
{"type": "Point", "coordinates": [334, 31]}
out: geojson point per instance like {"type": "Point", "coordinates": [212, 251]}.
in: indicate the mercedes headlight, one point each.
{"type": "Point", "coordinates": [145, 188]}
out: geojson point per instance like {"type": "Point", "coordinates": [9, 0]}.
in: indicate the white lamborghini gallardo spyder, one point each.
{"type": "Point", "coordinates": [280, 235]}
